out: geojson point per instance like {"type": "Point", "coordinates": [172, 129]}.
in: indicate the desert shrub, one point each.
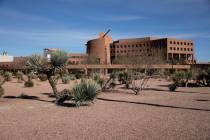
{"type": "Point", "coordinates": [19, 76]}
{"type": "Point", "coordinates": [181, 78]}
{"type": "Point", "coordinates": [8, 76]}
{"type": "Point", "coordinates": [2, 81]}
{"type": "Point", "coordinates": [98, 79]}
{"type": "Point", "coordinates": [203, 77]}
{"type": "Point", "coordinates": [178, 77]}
{"type": "Point", "coordinates": [65, 79]}
{"type": "Point", "coordinates": [29, 84]}
{"type": "Point", "coordinates": [173, 87]}
{"type": "Point", "coordinates": [79, 75]}
{"type": "Point", "coordinates": [63, 96]}
{"type": "Point", "coordinates": [72, 77]}
{"type": "Point", "coordinates": [42, 77]}
{"type": "Point", "coordinates": [1, 72]}
{"type": "Point", "coordinates": [85, 91]}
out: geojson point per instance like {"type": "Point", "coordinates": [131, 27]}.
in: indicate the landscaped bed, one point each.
{"type": "Point", "coordinates": [156, 113]}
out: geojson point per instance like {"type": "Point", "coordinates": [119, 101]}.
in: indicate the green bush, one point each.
{"type": "Point", "coordinates": [85, 91]}
{"type": "Point", "coordinates": [29, 84]}
{"type": "Point", "coordinates": [8, 76]}
{"type": "Point", "coordinates": [173, 87]}
{"type": "Point", "coordinates": [65, 79]}
{"type": "Point", "coordinates": [42, 77]}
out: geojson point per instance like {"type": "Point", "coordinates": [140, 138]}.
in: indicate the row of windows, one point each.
{"type": "Point", "coordinates": [182, 49]}
{"type": "Point", "coordinates": [129, 46]}
{"type": "Point", "coordinates": [128, 51]}
{"type": "Point", "coordinates": [181, 43]}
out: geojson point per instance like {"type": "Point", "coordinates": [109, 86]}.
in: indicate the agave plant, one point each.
{"type": "Point", "coordinates": [85, 91]}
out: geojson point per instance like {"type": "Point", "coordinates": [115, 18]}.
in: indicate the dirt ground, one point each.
{"type": "Point", "coordinates": [155, 114]}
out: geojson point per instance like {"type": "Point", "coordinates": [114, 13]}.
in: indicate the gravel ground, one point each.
{"type": "Point", "coordinates": [154, 114]}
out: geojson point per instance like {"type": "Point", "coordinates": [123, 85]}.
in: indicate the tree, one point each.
{"type": "Point", "coordinates": [56, 65]}
{"type": "Point", "coordinates": [141, 67]}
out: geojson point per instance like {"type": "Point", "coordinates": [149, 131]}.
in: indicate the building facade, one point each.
{"type": "Point", "coordinates": [107, 51]}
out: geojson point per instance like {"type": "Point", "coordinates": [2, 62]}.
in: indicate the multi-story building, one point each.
{"type": "Point", "coordinates": [106, 51]}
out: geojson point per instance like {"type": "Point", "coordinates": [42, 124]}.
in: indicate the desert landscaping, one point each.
{"type": "Point", "coordinates": [156, 113]}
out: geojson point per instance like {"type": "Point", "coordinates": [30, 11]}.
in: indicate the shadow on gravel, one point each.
{"type": "Point", "coordinates": [201, 100]}
{"type": "Point", "coordinates": [156, 89]}
{"type": "Point", "coordinates": [27, 97]}
{"type": "Point", "coordinates": [156, 105]}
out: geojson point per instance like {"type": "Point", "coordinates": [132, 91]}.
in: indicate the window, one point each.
{"type": "Point", "coordinates": [170, 42]}
{"type": "Point", "coordinates": [132, 46]}
{"type": "Point", "coordinates": [184, 49]}
{"type": "Point", "coordinates": [121, 46]}
{"type": "Point", "coordinates": [178, 49]}
{"type": "Point", "coordinates": [188, 43]}
{"type": "Point", "coordinates": [181, 43]}
{"type": "Point", "coordinates": [188, 49]}
{"type": "Point", "coordinates": [178, 43]}
{"type": "Point", "coordinates": [174, 42]}
{"type": "Point", "coordinates": [191, 49]}
{"type": "Point", "coordinates": [174, 48]}
{"type": "Point", "coordinates": [125, 46]}
{"type": "Point", "coordinates": [136, 45]}
{"type": "Point", "coordinates": [184, 43]}
{"type": "Point", "coordinates": [191, 44]}
{"type": "Point", "coordinates": [171, 48]}
{"type": "Point", "coordinates": [117, 46]}
{"type": "Point", "coordinates": [181, 49]}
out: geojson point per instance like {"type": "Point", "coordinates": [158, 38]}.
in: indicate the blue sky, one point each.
{"type": "Point", "coordinates": [28, 26]}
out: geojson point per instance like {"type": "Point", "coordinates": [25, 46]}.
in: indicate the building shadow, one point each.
{"type": "Point", "coordinates": [155, 105]}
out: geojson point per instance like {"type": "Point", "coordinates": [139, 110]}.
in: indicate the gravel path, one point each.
{"type": "Point", "coordinates": [151, 115]}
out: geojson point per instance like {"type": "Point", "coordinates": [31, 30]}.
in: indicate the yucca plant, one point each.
{"type": "Point", "coordinates": [85, 91]}
{"type": "Point", "coordinates": [40, 64]}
